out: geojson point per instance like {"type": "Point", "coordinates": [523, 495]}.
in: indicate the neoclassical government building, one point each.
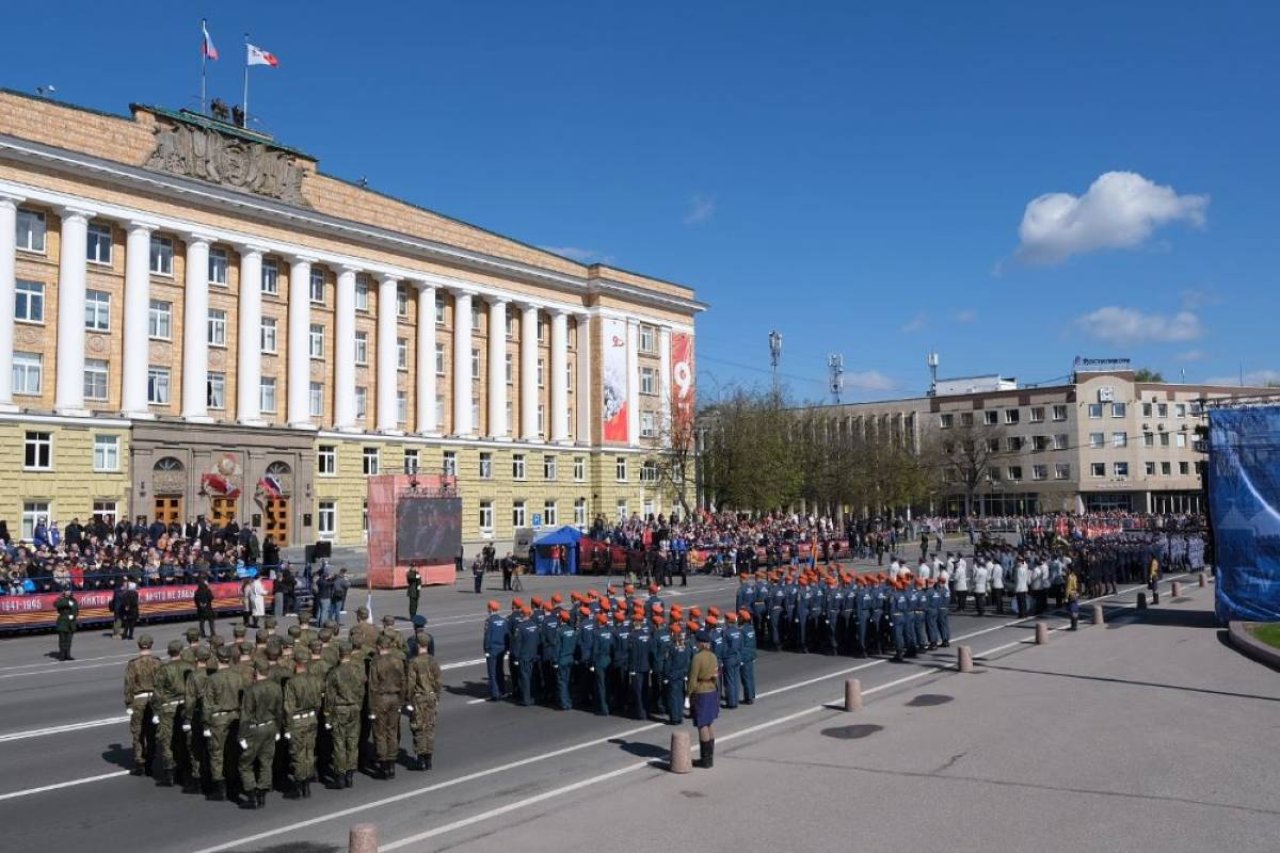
{"type": "Point", "coordinates": [195, 320]}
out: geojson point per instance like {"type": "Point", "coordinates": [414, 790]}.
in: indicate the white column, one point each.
{"type": "Point", "coordinates": [585, 389]}
{"type": "Point", "coordinates": [498, 427]}
{"type": "Point", "coordinates": [344, 351]}
{"type": "Point", "coordinates": [249, 361]}
{"type": "Point", "coordinates": [664, 381]}
{"type": "Point", "coordinates": [195, 331]}
{"type": "Point", "coordinates": [69, 393]}
{"type": "Point", "coordinates": [8, 283]}
{"type": "Point", "coordinates": [137, 300]}
{"type": "Point", "coordinates": [426, 390]}
{"type": "Point", "coordinates": [559, 376]}
{"type": "Point", "coordinates": [462, 363]}
{"type": "Point", "coordinates": [387, 420]}
{"type": "Point", "coordinates": [299, 363]}
{"type": "Point", "coordinates": [633, 382]}
{"type": "Point", "coordinates": [529, 372]}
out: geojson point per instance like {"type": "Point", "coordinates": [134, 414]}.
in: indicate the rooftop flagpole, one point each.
{"type": "Point", "coordinates": [244, 104]}
{"type": "Point", "coordinates": [204, 61]}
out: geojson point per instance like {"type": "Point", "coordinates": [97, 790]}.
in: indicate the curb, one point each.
{"type": "Point", "coordinates": [1245, 643]}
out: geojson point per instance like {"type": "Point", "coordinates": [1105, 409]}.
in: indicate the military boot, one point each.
{"type": "Point", "coordinates": [389, 769]}
{"type": "Point", "coordinates": [711, 754]}
{"type": "Point", "coordinates": [139, 769]}
{"type": "Point", "coordinates": [261, 798]}
{"type": "Point", "coordinates": [166, 778]}
{"type": "Point", "coordinates": [348, 779]}
{"type": "Point", "coordinates": [426, 761]}
{"type": "Point", "coordinates": [306, 789]}
{"type": "Point", "coordinates": [219, 793]}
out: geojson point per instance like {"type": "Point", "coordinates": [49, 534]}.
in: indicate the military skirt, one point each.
{"type": "Point", "coordinates": [705, 707]}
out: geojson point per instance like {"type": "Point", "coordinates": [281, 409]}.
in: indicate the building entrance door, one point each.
{"type": "Point", "coordinates": [168, 509]}
{"type": "Point", "coordinates": [221, 510]}
{"type": "Point", "coordinates": [275, 520]}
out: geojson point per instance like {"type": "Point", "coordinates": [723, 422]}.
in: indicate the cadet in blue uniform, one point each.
{"type": "Point", "coordinates": [495, 649]}
{"type": "Point", "coordinates": [583, 677]}
{"type": "Point", "coordinates": [566, 646]}
{"type": "Point", "coordinates": [549, 647]}
{"type": "Point", "coordinates": [899, 614]}
{"type": "Point", "coordinates": [601, 658]}
{"type": "Point", "coordinates": [732, 662]}
{"type": "Point", "coordinates": [525, 649]}
{"type": "Point", "coordinates": [640, 663]}
{"type": "Point", "coordinates": [777, 607]}
{"type": "Point", "coordinates": [944, 614]}
{"type": "Point", "coordinates": [677, 670]}
{"type": "Point", "coordinates": [748, 658]}
{"type": "Point", "coordinates": [620, 668]}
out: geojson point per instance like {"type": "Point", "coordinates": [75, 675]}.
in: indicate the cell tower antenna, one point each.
{"type": "Point", "coordinates": [932, 361]}
{"type": "Point", "coordinates": [835, 364]}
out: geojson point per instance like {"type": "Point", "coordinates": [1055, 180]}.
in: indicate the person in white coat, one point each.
{"type": "Point", "coordinates": [258, 598]}
{"type": "Point", "coordinates": [996, 572]}
{"type": "Point", "coordinates": [981, 577]}
{"type": "Point", "coordinates": [923, 571]}
{"type": "Point", "coordinates": [961, 584]}
{"type": "Point", "coordinates": [1021, 583]}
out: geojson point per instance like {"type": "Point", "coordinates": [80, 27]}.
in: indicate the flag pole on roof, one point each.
{"type": "Point", "coordinates": [244, 102]}
{"type": "Point", "coordinates": [207, 52]}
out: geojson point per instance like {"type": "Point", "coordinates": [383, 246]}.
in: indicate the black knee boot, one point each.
{"type": "Point", "coordinates": [711, 754]}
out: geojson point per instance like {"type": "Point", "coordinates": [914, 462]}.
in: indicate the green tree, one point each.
{"type": "Point", "coordinates": [1146, 374]}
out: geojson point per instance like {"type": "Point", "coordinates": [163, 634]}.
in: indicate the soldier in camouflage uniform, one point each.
{"type": "Point", "coordinates": [261, 712]}
{"type": "Point", "coordinates": [343, 700]}
{"type": "Point", "coordinates": [193, 719]}
{"type": "Point", "coordinates": [170, 688]}
{"type": "Point", "coordinates": [221, 711]}
{"type": "Point", "coordinates": [303, 695]}
{"type": "Point", "coordinates": [139, 688]}
{"type": "Point", "coordinates": [423, 692]}
{"type": "Point", "coordinates": [386, 698]}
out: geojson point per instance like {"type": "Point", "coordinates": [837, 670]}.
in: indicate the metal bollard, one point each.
{"type": "Point", "coordinates": [1202, 579]}
{"type": "Point", "coordinates": [363, 838]}
{"type": "Point", "coordinates": [853, 695]}
{"type": "Point", "coordinates": [1142, 601]}
{"type": "Point", "coordinates": [1042, 633]}
{"type": "Point", "coordinates": [964, 658]}
{"type": "Point", "coordinates": [681, 762]}
{"type": "Point", "coordinates": [1099, 616]}
{"type": "Point", "coordinates": [1177, 588]}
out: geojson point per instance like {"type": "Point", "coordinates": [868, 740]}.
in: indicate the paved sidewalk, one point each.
{"type": "Point", "coordinates": [1150, 734]}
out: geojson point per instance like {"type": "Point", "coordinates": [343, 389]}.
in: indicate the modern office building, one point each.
{"type": "Point", "coordinates": [195, 320]}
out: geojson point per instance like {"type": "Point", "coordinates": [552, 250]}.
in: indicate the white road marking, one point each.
{"type": "Point", "coordinates": [56, 730]}
{"type": "Point", "coordinates": [78, 660]}
{"type": "Point", "coordinates": [59, 669]}
{"type": "Point", "coordinates": [86, 780]}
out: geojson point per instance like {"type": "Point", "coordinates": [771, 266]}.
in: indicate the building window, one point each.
{"type": "Point", "coordinates": [1062, 471]}
{"type": "Point", "coordinates": [549, 467]}
{"type": "Point", "coordinates": [158, 386]}
{"type": "Point", "coordinates": [105, 510]}
{"type": "Point", "coordinates": [1119, 410]}
{"type": "Point", "coordinates": [511, 327]}
{"type": "Point", "coordinates": [1095, 411]}
{"type": "Point", "coordinates": [217, 390]}
{"type": "Point", "coordinates": [95, 379]}
{"type": "Point", "coordinates": [106, 453]}
{"type": "Point", "coordinates": [510, 413]}
{"type": "Point", "coordinates": [1037, 414]}
{"type": "Point", "coordinates": [270, 277]}
{"type": "Point", "coordinates": [411, 460]}
{"type": "Point", "coordinates": [579, 469]}
{"type": "Point", "coordinates": [477, 319]}
{"type": "Point", "coordinates": [517, 466]}
{"type": "Point", "coordinates": [315, 399]}
{"type": "Point", "coordinates": [1148, 439]}
{"type": "Point", "coordinates": [991, 417]}
{"type": "Point", "coordinates": [620, 469]}
{"type": "Point", "coordinates": [1162, 410]}
{"type": "Point", "coordinates": [1146, 410]}
{"type": "Point", "coordinates": [475, 364]}
{"type": "Point", "coordinates": [1014, 443]}
{"type": "Point", "coordinates": [648, 380]}
{"type": "Point", "coordinates": [439, 410]}
{"type": "Point", "coordinates": [648, 339]}
{"type": "Point", "coordinates": [97, 310]}
{"type": "Point", "coordinates": [517, 514]}
{"type": "Point", "coordinates": [327, 459]}
{"type": "Point", "coordinates": [439, 311]}
{"type": "Point", "coordinates": [369, 461]}
{"type": "Point", "coordinates": [316, 286]}
{"type": "Point", "coordinates": [217, 327]}
{"type": "Point", "coordinates": [510, 369]}
{"type": "Point", "coordinates": [439, 359]}
{"type": "Point", "coordinates": [1166, 469]}
{"type": "Point", "coordinates": [1179, 410]}
{"type": "Point", "coordinates": [269, 337]}
{"type": "Point", "coordinates": [486, 516]}
{"type": "Point", "coordinates": [622, 510]}
{"type": "Point", "coordinates": [542, 420]}
{"type": "Point", "coordinates": [966, 419]}
{"type": "Point", "coordinates": [402, 354]}
{"type": "Point", "coordinates": [1121, 469]}
{"type": "Point", "coordinates": [647, 429]}
{"type": "Point", "coordinates": [1119, 439]}
{"type": "Point", "coordinates": [1060, 441]}
{"type": "Point", "coordinates": [580, 512]}
{"type": "Point", "coordinates": [649, 472]}
{"type": "Point", "coordinates": [549, 513]}
{"type": "Point", "coordinates": [1184, 468]}
{"type": "Point", "coordinates": [315, 342]}
{"type": "Point", "coordinates": [267, 394]}
{"type": "Point", "coordinates": [34, 513]}
{"type": "Point", "coordinates": [402, 407]}
{"type": "Point", "coordinates": [475, 412]}
{"type": "Point", "coordinates": [541, 373]}
{"type": "Point", "coordinates": [1164, 439]}
{"type": "Point", "coordinates": [946, 420]}
{"type": "Point", "coordinates": [161, 256]}
{"type": "Point", "coordinates": [362, 401]}
{"type": "Point", "coordinates": [362, 347]}
{"type": "Point", "coordinates": [402, 301]}
{"type": "Point", "coordinates": [1097, 440]}
{"type": "Point", "coordinates": [1150, 468]}
{"type": "Point", "coordinates": [1059, 413]}
{"type": "Point", "coordinates": [1011, 416]}
{"type": "Point", "coordinates": [362, 293]}
{"type": "Point", "coordinates": [31, 230]}
{"type": "Point", "coordinates": [98, 249]}
{"type": "Point", "coordinates": [28, 372]}
{"type": "Point", "coordinates": [1015, 472]}
{"type": "Point", "coordinates": [38, 451]}
{"type": "Point", "coordinates": [218, 266]}
{"type": "Point", "coordinates": [327, 519]}
{"type": "Point", "coordinates": [486, 465]}
{"type": "Point", "coordinates": [160, 320]}
{"type": "Point", "coordinates": [451, 463]}
{"type": "Point", "coordinates": [542, 330]}
{"type": "Point", "coordinates": [1180, 440]}
{"type": "Point", "coordinates": [28, 304]}
{"type": "Point", "coordinates": [1039, 472]}
{"type": "Point", "coordinates": [1039, 443]}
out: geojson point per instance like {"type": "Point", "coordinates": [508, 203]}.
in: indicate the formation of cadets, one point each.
{"type": "Point", "coordinates": [237, 719]}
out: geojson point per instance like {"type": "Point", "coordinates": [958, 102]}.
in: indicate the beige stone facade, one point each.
{"type": "Point", "coordinates": [406, 333]}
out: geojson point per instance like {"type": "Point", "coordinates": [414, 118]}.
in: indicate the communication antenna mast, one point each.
{"type": "Point", "coordinates": [932, 361]}
{"type": "Point", "coordinates": [775, 356]}
{"type": "Point", "coordinates": [835, 364]}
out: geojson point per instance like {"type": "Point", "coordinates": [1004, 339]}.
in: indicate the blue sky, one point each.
{"type": "Point", "coordinates": [854, 175]}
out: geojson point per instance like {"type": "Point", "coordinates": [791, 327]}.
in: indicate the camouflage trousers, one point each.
{"type": "Point", "coordinates": [164, 720]}
{"type": "Point", "coordinates": [302, 748]}
{"type": "Point", "coordinates": [193, 737]}
{"type": "Point", "coordinates": [344, 722]}
{"type": "Point", "coordinates": [422, 722]}
{"type": "Point", "coordinates": [258, 758]}
{"type": "Point", "coordinates": [386, 726]}
{"type": "Point", "coordinates": [140, 729]}
{"type": "Point", "coordinates": [217, 740]}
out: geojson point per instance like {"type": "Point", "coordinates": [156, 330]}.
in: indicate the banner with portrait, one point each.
{"type": "Point", "coordinates": [615, 381]}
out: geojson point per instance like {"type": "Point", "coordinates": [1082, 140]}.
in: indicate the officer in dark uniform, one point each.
{"type": "Point", "coordinates": [68, 613]}
{"type": "Point", "coordinates": [495, 649]}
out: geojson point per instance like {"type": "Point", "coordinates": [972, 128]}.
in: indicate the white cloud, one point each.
{"type": "Point", "coordinates": [915, 324]}
{"type": "Point", "coordinates": [1254, 378]}
{"type": "Point", "coordinates": [1130, 326]}
{"type": "Point", "coordinates": [966, 315]}
{"type": "Point", "coordinates": [582, 256]}
{"type": "Point", "coordinates": [701, 208]}
{"type": "Point", "coordinates": [869, 380]}
{"type": "Point", "coordinates": [1120, 210]}
{"type": "Point", "coordinates": [1191, 355]}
